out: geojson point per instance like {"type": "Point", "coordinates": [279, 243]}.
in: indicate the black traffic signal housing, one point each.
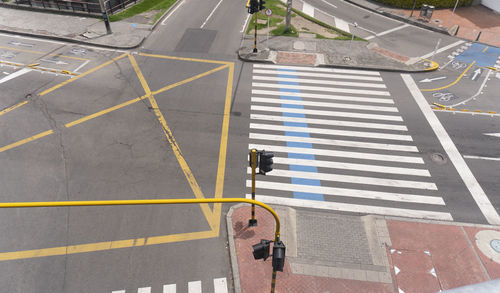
{"type": "Point", "coordinates": [261, 5]}
{"type": "Point", "coordinates": [253, 7]}
{"type": "Point", "coordinates": [261, 250]}
{"type": "Point", "coordinates": [279, 250]}
{"type": "Point", "coordinates": [265, 162]}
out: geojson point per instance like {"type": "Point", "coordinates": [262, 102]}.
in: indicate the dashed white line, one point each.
{"type": "Point", "coordinates": [482, 158]}
{"type": "Point", "coordinates": [442, 49]}
{"type": "Point", "coordinates": [245, 24]}
{"type": "Point", "coordinates": [388, 31]}
{"type": "Point", "coordinates": [211, 13]}
{"type": "Point", "coordinates": [81, 66]}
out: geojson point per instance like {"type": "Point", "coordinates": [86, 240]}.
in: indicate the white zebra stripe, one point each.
{"type": "Point", "coordinates": [326, 97]}
{"type": "Point", "coordinates": [354, 208]}
{"type": "Point", "coordinates": [170, 288]}
{"type": "Point", "coordinates": [317, 69]}
{"type": "Point", "coordinates": [331, 153]}
{"type": "Point", "coordinates": [194, 287]}
{"type": "Point", "coordinates": [220, 285]}
{"type": "Point", "coordinates": [308, 9]}
{"type": "Point", "coordinates": [319, 81]}
{"type": "Point", "coordinates": [321, 75]}
{"type": "Point", "coordinates": [352, 166]}
{"type": "Point", "coordinates": [344, 192]}
{"type": "Point", "coordinates": [345, 143]}
{"type": "Point", "coordinates": [350, 179]}
{"type": "Point", "coordinates": [329, 122]}
{"type": "Point", "coordinates": [319, 88]}
{"type": "Point", "coordinates": [144, 290]}
{"type": "Point", "coordinates": [342, 24]}
{"type": "Point", "coordinates": [327, 113]}
{"type": "Point", "coordinates": [326, 105]}
{"type": "Point", "coordinates": [375, 135]}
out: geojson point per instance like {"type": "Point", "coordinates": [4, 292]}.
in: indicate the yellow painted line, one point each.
{"type": "Point", "coordinates": [485, 49]}
{"type": "Point", "coordinates": [492, 112]}
{"type": "Point", "coordinates": [82, 75]}
{"type": "Point", "coordinates": [221, 168]}
{"type": "Point", "coordinates": [453, 83]}
{"type": "Point", "coordinates": [109, 245]}
{"type": "Point", "coordinates": [439, 105]}
{"type": "Point", "coordinates": [184, 59]}
{"type": "Point", "coordinates": [43, 53]}
{"type": "Point", "coordinates": [492, 68]}
{"type": "Point", "coordinates": [478, 111]}
{"type": "Point", "coordinates": [173, 144]}
{"type": "Point", "coordinates": [26, 140]}
{"type": "Point", "coordinates": [34, 64]}
{"type": "Point", "coordinates": [464, 110]}
{"type": "Point", "coordinates": [12, 108]}
{"type": "Point", "coordinates": [434, 66]}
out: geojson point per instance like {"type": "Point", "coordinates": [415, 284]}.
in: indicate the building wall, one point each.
{"type": "Point", "coordinates": [492, 4]}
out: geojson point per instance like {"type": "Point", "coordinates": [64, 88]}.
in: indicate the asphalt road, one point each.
{"type": "Point", "coordinates": [100, 135]}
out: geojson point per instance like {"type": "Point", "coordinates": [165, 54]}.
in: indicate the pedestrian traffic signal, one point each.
{"type": "Point", "coordinates": [261, 250]}
{"type": "Point", "coordinates": [265, 162]}
{"type": "Point", "coordinates": [254, 6]}
{"type": "Point", "coordinates": [279, 250]}
{"type": "Point", "coordinates": [261, 5]}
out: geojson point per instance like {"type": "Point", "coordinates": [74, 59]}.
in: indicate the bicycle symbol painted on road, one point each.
{"type": "Point", "coordinates": [458, 65]}
{"type": "Point", "coordinates": [444, 97]}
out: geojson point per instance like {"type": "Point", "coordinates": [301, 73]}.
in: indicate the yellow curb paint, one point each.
{"type": "Point", "coordinates": [453, 83]}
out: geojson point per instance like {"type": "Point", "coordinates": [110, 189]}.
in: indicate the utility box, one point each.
{"type": "Point", "coordinates": [423, 10]}
{"type": "Point", "coordinates": [430, 11]}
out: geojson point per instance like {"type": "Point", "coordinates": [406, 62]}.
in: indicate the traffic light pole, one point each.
{"type": "Point", "coordinates": [273, 281]}
{"type": "Point", "coordinates": [253, 160]}
{"type": "Point", "coordinates": [255, 34]}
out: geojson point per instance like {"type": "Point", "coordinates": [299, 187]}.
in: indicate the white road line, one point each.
{"type": "Point", "coordinates": [329, 122]}
{"type": "Point", "coordinates": [33, 39]}
{"type": "Point", "coordinates": [317, 69]}
{"type": "Point", "coordinates": [170, 288]}
{"type": "Point", "coordinates": [486, 78]}
{"type": "Point", "coordinates": [326, 97]}
{"type": "Point", "coordinates": [308, 9]}
{"type": "Point", "coordinates": [245, 24]}
{"type": "Point", "coordinates": [344, 192]}
{"type": "Point", "coordinates": [220, 285]}
{"type": "Point", "coordinates": [346, 207]}
{"type": "Point", "coordinates": [351, 179]}
{"type": "Point", "coordinates": [458, 161]}
{"type": "Point", "coordinates": [120, 291]}
{"type": "Point", "coordinates": [211, 13]}
{"type": "Point", "coordinates": [442, 49]}
{"type": "Point", "coordinates": [328, 3]}
{"type": "Point", "coordinates": [15, 74]}
{"type": "Point", "coordinates": [81, 66]}
{"type": "Point", "coordinates": [342, 24]}
{"type": "Point", "coordinates": [323, 131]}
{"type": "Point", "coordinates": [322, 75]}
{"type": "Point", "coordinates": [144, 290]}
{"type": "Point", "coordinates": [352, 166]}
{"type": "Point", "coordinates": [344, 154]}
{"type": "Point", "coordinates": [388, 31]}
{"type": "Point", "coordinates": [468, 113]}
{"type": "Point", "coordinates": [319, 81]}
{"type": "Point", "coordinates": [326, 113]}
{"type": "Point", "coordinates": [194, 287]}
{"type": "Point", "coordinates": [345, 143]}
{"type": "Point", "coordinates": [482, 158]}
{"type": "Point", "coordinates": [325, 105]}
{"type": "Point", "coordinates": [319, 88]}
{"type": "Point", "coordinates": [172, 12]}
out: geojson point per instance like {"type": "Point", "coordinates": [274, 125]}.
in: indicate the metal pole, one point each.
{"type": "Point", "coordinates": [414, 4]}
{"type": "Point", "coordinates": [352, 39]}
{"type": "Point", "coordinates": [451, 16]}
{"type": "Point", "coordinates": [255, 35]}
{"type": "Point", "coordinates": [267, 37]}
{"type": "Point", "coordinates": [253, 159]}
{"type": "Point", "coordinates": [288, 15]}
{"type": "Point", "coordinates": [273, 281]}
{"type": "Point", "coordinates": [105, 17]}
{"type": "Point", "coordinates": [435, 49]}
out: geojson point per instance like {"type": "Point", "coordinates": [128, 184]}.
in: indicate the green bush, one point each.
{"type": "Point", "coordinates": [437, 3]}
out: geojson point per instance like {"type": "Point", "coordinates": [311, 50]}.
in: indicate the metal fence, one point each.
{"type": "Point", "coordinates": [89, 6]}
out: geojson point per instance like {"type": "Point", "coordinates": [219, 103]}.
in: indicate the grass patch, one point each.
{"type": "Point", "coordinates": [281, 31]}
{"type": "Point", "coordinates": [143, 6]}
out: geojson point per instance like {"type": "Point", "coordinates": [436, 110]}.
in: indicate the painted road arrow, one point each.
{"type": "Point", "coordinates": [492, 134]}
{"type": "Point", "coordinates": [433, 79]}
{"type": "Point", "coordinates": [476, 73]}
{"type": "Point", "coordinates": [54, 61]}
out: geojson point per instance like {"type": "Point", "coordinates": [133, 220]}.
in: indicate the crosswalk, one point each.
{"type": "Point", "coordinates": [340, 143]}
{"type": "Point", "coordinates": [219, 286]}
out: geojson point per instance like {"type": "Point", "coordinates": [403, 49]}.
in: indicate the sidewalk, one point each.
{"type": "Point", "coordinates": [328, 252]}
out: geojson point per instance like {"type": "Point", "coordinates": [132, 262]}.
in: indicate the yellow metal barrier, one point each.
{"type": "Point", "coordinates": [143, 202]}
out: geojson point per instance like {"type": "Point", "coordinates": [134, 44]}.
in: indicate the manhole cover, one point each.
{"type": "Point", "coordinates": [495, 244]}
{"type": "Point", "coordinates": [438, 158]}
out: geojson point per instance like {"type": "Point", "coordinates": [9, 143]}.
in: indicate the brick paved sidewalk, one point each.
{"type": "Point", "coordinates": [339, 253]}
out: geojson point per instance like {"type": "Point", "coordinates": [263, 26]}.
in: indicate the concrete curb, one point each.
{"type": "Point", "coordinates": [232, 247]}
{"type": "Point", "coordinates": [69, 40]}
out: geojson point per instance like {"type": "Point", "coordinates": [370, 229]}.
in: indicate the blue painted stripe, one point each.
{"type": "Point", "coordinates": [302, 181]}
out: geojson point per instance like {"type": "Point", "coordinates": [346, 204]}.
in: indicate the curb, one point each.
{"type": "Point", "coordinates": [165, 14]}
{"type": "Point", "coordinates": [232, 247]}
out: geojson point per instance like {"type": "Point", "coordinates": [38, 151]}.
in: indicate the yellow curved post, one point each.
{"type": "Point", "coordinates": [143, 202]}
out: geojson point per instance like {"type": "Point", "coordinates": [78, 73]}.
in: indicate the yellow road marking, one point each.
{"type": "Point", "coordinates": [453, 83]}
{"type": "Point", "coordinates": [434, 66]}
{"type": "Point", "coordinates": [184, 59]}
{"type": "Point", "coordinates": [173, 144]}
{"type": "Point", "coordinates": [485, 49]}
{"type": "Point", "coordinates": [82, 75]}
{"type": "Point", "coordinates": [26, 140]}
{"type": "Point", "coordinates": [108, 245]}
{"type": "Point", "coordinates": [43, 53]}
{"type": "Point", "coordinates": [4, 111]}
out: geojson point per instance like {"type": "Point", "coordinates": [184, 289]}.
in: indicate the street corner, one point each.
{"type": "Point", "coordinates": [486, 242]}
{"type": "Point", "coordinates": [428, 257]}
